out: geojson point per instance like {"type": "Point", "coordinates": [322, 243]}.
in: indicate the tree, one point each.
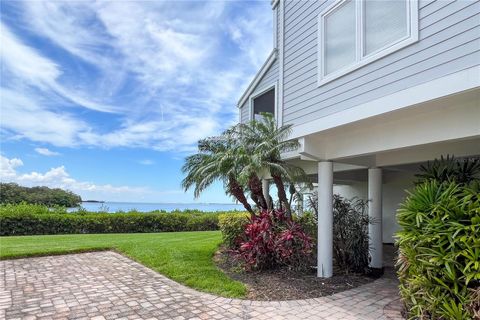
{"type": "Point", "coordinates": [13, 193]}
{"type": "Point", "coordinates": [239, 157]}
{"type": "Point", "coordinates": [266, 142]}
{"type": "Point", "coordinates": [249, 174]}
{"type": "Point", "coordinates": [216, 161]}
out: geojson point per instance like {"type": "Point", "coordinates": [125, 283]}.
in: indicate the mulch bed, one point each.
{"type": "Point", "coordinates": [283, 284]}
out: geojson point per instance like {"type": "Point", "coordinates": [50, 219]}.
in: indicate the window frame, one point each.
{"type": "Point", "coordinates": [258, 93]}
{"type": "Point", "coordinates": [362, 59]}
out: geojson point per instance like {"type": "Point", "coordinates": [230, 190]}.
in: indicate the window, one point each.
{"type": "Point", "coordinates": [385, 23]}
{"type": "Point", "coordinates": [264, 102]}
{"type": "Point", "coordinates": [353, 33]}
{"type": "Point", "coordinates": [340, 37]}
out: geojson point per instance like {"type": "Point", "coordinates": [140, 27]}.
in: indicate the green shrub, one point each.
{"type": "Point", "coordinates": [232, 227]}
{"type": "Point", "coordinates": [27, 219]}
{"type": "Point", "coordinates": [25, 208]}
{"type": "Point", "coordinates": [350, 231]}
{"type": "Point", "coordinates": [439, 251]}
{"type": "Point", "coordinates": [308, 221]}
{"type": "Point", "coordinates": [450, 169]}
{"type": "Point", "coordinates": [203, 222]}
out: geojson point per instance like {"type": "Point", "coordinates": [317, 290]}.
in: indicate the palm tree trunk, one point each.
{"type": "Point", "coordinates": [255, 186]}
{"type": "Point", "coordinates": [282, 196]}
{"type": "Point", "coordinates": [237, 191]}
{"type": "Point", "coordinates": [255, 200]}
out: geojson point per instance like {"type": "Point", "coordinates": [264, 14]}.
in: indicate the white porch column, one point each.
{"type": "Point", "coordinates": [299, 204]}
{"type": "Point", "coordinates": [266, 187]}
{"type": "Point", "coordinates": [325, 219]}
{"type": "Point", "coordinates": [375, 214]}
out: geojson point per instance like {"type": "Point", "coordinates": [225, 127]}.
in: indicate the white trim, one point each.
{"type": "Point", "coordinates": [280, 64]}
{"type": "Point", "coordinates": [451, 84]}
{"type": "Point", "coordinates": [268, 63]}
{"type": "Point", "coordinates": [274, 19]}
{"type": "Point", "coordinates": [277, 106]}
{"type": "Point", "coordinates": [361, 59]}
{"type": "Point", "coordinates": [258, 93]}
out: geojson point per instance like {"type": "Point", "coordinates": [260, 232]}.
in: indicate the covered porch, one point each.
{"type": "Point", "coordinates": [383, 186]}
{"type": "Point", "coordinates": [376, 159]}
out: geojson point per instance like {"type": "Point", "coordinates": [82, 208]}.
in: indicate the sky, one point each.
{"type": "Point", "coordinates": [106, 98]}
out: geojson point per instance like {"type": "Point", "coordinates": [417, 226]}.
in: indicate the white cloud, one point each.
{"type": "Point", "coordinates": [71, 24]}
{"type": "Point", "coordinates": [8, 167]}
{"type": "Point", "coordinates": [252, 34]}
{"type": "Point", "coordinates": [59, 178]}
{"type": "Point", "coordinates": [147, 162]}
{"type": "Point", "coordinates": [23, 115]}
{"type": "Point", "coordinates": [23, 61]}
{"type": "Point", "coordinates": [33, 69]}
{"type": "Point", "coordinates": [179, 59]}
{"type": "Point", "coordinates": [46, 152]}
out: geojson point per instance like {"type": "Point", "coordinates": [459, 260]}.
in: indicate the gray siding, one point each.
{"type": "Point", "coordinates": [245, 113]}
{"type": "Point", "coordinates": [449, 41]}
{"type": "Point", "coordinates": [270, 77]}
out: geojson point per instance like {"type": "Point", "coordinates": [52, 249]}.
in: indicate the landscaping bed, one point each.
{"type": "Point", "coordinates": [284, 284]}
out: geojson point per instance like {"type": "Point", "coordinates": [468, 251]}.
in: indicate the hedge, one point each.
{"type": "Point", "coordinates": [232, 226]}
{"type": "Point", "coordinates": [439, 251]}
{"type": "Point", "coordinates": [19, 220]}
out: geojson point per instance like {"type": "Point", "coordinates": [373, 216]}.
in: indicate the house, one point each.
{"type": "Point", "coordinates": [373, 89]}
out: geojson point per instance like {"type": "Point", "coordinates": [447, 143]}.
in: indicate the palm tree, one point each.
{"type": "Point", "coordinates": [266, 143]}
{"type": "Point", "coordinates": [239, 156]}
{"type": "Point", "coordinates": [216, 161]}
{"type": "Point", "coordinates": [249, 173]}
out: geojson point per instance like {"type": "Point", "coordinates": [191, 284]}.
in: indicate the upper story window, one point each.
{"type": "Point", "coordinates": [353, 33]}
{"type": "Point", "coordinates": [264, 102]}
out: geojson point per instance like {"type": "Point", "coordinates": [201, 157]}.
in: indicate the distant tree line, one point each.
{"type": "Point", "coordinates": [13, 193]}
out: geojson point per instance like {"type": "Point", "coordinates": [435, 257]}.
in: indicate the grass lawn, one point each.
{"type": "Point", "coordinates": [185, 257]}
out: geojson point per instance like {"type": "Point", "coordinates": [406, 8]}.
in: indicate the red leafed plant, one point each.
{"type": "Point", "coordinates": [273, 239]}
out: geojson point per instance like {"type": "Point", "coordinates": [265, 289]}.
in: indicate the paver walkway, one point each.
{"type": "Point", "coordinates": [107, 285]}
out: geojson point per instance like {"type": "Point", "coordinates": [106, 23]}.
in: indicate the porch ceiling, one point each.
{"type": "Point", "coordinates": [414, 134]}
{"type": "Point", "coordinates": [361, 175]}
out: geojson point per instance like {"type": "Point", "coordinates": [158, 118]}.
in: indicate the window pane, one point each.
{"type": "Point", "coordinates": [340, 37]}
{"type": "Point", "coordinates": [385, 23]}
{"type": "Point", "coordinates": [264, 103]}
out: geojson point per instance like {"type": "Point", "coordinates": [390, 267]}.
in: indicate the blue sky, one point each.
{"type": "Point", "coordinates": [106, 98]}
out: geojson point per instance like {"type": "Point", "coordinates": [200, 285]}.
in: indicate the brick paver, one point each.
{"type": "Point", "coordinates": [107, 285]}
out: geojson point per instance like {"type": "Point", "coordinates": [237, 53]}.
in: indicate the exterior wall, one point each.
{"type": "Point", "coordinates": [245, 112]}
{"type": "Point", "coordinates": [269, 79]}
{"type": "Point", "coordinates": [449, 41]}
{"type": "Point", "coordinates": [271, 76]}
{"type": "Point", "coordinates": [393, 193]}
